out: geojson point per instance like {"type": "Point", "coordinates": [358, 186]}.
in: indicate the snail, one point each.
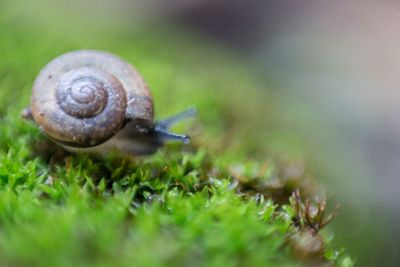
{"type": "Point", "coordinates": [87, 99]}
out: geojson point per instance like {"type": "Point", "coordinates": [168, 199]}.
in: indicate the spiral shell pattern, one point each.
{"type": "Point", "coordinates": [82, 98]}
{"type": "Point", "coordinates": [83, 92]}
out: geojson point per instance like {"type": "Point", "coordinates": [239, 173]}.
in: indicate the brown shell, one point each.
{"type": "Point", "coordinates": [83, 98]}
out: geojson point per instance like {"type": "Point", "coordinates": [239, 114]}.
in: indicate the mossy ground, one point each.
{"type": "Point", "coordinates": [221, 201]}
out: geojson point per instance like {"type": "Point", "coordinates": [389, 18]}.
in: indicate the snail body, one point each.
{"type": "Point", "coordinates": [85, 98]}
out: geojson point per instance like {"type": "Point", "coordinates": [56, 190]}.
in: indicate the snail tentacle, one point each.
{"type": "Point", "coordinates": [162, 131]}
{"type": "Point", "coordinates": [186, 114]}
{"type": "Point", "coordinates": [164, 134]}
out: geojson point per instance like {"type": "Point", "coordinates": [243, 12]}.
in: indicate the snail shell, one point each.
{"type": "Point", "coordinates": [83, 98]}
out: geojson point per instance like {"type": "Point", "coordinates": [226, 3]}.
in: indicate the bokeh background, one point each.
{"type": "Point", "coordinates": [330, 69]}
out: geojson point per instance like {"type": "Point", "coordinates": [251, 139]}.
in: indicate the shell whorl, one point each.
{"type": "Point", "coordinates": [83, 92]}
{"type": "Point", "coordinates": [82, 98]}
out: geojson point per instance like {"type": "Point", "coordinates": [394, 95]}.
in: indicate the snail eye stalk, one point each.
{"type": "Point", "coordinates": [162, 127]}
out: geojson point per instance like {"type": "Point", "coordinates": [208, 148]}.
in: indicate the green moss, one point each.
{"type": "Point", "coordinates": [213, 203]}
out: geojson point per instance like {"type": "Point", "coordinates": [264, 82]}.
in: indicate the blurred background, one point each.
{"type": "Point", "coordinates": [332, 66]}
